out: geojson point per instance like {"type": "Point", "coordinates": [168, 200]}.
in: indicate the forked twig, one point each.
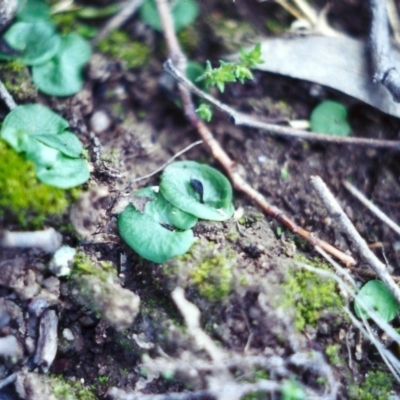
{"type": "Point", "coordinates": [239, 118]}
{"type": "Point", "coordinates": [179, 60]}
{"type": "Point", "coordinates": [338, 215]}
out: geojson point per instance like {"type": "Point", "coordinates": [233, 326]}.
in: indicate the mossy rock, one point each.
{"type": "Point", "coordinates": [17, 80]}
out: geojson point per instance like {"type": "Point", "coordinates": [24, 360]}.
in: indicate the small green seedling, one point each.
{"type": "Point", "coordinates": [330, 117]}
{"type": "Point", "coordinates": [375, 295]}
{"type": "Point", "coordinates": [42, 136]}
{"type": "Point", "coordinates": [34, 42]}
{"type": "Point", "coordinates": [57, 61]}
{"type": "Point", "coordinates": [205, 112]}
{"type": "Point", "coordinates": [198, 190]}
{"type": "Point", "coordinates": [233, 71]}
{"type": "Point", "coordinates": [184, 12]}
{"type": "Point", "coordinates": [144, 225]}
{"type": "Point", "coordinates": [157, 222]}
{"type": "Point", "coordinates": [292, 390]}
{"type": "Point", "coordinates": [59, 76]}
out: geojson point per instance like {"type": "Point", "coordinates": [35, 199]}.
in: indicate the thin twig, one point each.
{"type": "Point", "coordinates": [178, 154]}
{"type": "Point", "coordinates": [239, 118]}
{"type": "Point", "coordinates": [337, 214]}
{"type": "Point", "coordinates": [128, 9]}
{"type": "Point", "coordinates": [179, 60]}
{"type": "Point", "coordinates": [372, 207]}
{"type": "Point", "coordinates": [6, 96]}
{"type": "Point", "coordinates": [383, 65]}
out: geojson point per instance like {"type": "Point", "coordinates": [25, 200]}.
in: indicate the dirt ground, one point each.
{"type": "Point", "coordinates": [259, 314]}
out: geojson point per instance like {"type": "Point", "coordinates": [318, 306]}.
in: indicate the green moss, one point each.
{"type": "Point", "coordinates": [69, 390]}
{"type": "Point", "coordinates": [310, 295]}
{"type": "Point", "coordinates": [206, 268]}
{"type": "Point", "coordinates": [332, 352]}
{"type": "Point", "coordinates": [376, 386]}
{"type": "Point", "coordinates": [22, 196]}
{"type": "Point", "coordinates": [190, 39]}
{"type": "Point", "coordinates": [17, 80]}
{"type": "Point", "coordinates": [83, 265]}
{"type": "Point", "coordinates": [68, 22]}
{"type": "Point", "coordinates": [118, 44]}
{"type": "Point", "coordinates": [213, 278]}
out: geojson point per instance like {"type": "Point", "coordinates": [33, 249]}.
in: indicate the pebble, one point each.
{"type": "Point", "coordinates": [61, 263]}
{"type": "Point", "coordinates": [68, 335]}
{"type": "Point", "coordinates": [100, 121]}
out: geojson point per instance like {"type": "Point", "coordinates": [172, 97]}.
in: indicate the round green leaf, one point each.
{"type": "Point", "coordinates": [67, 142]}
{"type": "Point", "coordinates": [34, 11]}
{"type": "Point", "coordinates": [150, 239]}
{"type": "Point", "coordinates": [40, 154]}
{"type": "Point", "coordinates": [37, 42]}
{"type": "Point", "coordinates": [375, 295]}
{"type": "Point", "coordinates": [162, 211]}
{"type": "Point", "coordinates": [65, 172]}
{"type": "Point", "coordinates": [62, 75]}
{"type": "Point", "coordinates": [184, 12]}
{"type": "Point", "coordinates": [31, 119]}
{"type": "Point", "coordinates": [182, 183]}
{"type": "Point", "coordinates": [330, 117]}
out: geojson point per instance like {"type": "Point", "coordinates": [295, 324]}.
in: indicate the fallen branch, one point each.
{"type": "Point", "coordinates": [179, 60]}
{"type": "Point", "coordinates": [372, 207]}
{"type": "Point", "coordinates": [383, 65]}
{"type": "Point", "coordinates": [239, 118]}
{"type": "Point", "coordinates": [338, 215]}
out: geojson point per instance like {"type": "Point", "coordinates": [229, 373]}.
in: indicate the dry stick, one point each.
{"type": "Point", "coordinates": [372, 207]}
{"type": "Point", "coordinates": [239, 118]}
{"type": "Point", "coordinates": [6, 96]}
{"type": "Point", "coordinates": [383, 65]}
{"type": "Point", "coordinates": [118, 20]}
{"type": "Point", "coordinates": [337, 214]}
{"type": "Point", "coordinates": [220, 155]}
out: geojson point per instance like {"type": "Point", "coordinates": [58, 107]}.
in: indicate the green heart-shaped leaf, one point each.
{"type": "Point", "coordinates": [62, 75]}
{"type": "Point", "coordinates": [37, 42]}
{"type": "Point", "coordinates": [66, 142]}
{"type": "Point", "coordinates": [375, 295]}
{"type": "Point", "coordinates": [150, 239]}
{"type": "Point", "coordinates": [330, 117]}
{"type": "Point", "coordinates": [163, 212]}
{"type": "Point", "coordinates": [65, 172]}
{"type": "Point", "coordinates": [184, 12]}
{"type": "Point", "coordinates": [34, 11]}
{"type": "Point", "coordinates": [34, 119]}
{"type": "Point", "coordinates": [198, 189]}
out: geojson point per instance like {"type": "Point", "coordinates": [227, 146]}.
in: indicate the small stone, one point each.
{"type": "Point", "coordinates": [61, 263]}
{"type": "Point", "coordinates": [100, 121]}
{"type": "Point", "coordinates": [68, 335]}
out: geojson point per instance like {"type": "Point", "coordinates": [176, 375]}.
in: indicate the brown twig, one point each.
{"type": "Point", "coordinates": [179, 60]}
{"type": "Point", "coordinates": [239, 118]}
{"type": "Point", "coordinates": [337, 214]}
